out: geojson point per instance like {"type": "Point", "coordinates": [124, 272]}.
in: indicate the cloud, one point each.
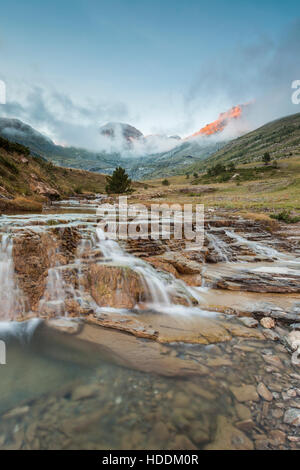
{"type": "Point", "coordinates": [56, 115]}
{"type": "Point", "coordinates": [261, 72]}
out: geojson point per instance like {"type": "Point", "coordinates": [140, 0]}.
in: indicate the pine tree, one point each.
{"type": "Point", "coordinates": [119, 182]}
{"type": "Point", "coordinates": [266, 158]}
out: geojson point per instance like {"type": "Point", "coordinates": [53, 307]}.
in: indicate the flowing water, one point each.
{"type": "Point", "coordinates": [104, 389]}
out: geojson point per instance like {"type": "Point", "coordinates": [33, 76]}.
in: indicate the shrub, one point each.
{"type": "Point", "coordinates": [165, 182]}
{"type": "Point", "coordinates": [285, 216]}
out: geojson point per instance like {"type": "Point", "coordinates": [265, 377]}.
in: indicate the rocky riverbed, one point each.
{"type": "Point", "coordinates": [165, 348]}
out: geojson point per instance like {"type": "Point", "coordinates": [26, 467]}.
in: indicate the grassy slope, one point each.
{"type": "Point", "coordinates": [281, 138]}
{"type": "Point", "coordinates": [20, 173]}
{"type": "Point", "coordinates": [270, 190]}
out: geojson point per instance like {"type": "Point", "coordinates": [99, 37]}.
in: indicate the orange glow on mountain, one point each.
{"type": "Point", "coordinates": [217, 126]}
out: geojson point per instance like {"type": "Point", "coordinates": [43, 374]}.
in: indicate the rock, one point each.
{"type": "Point", "coordinates": [182, 264]}
{"type": "Point", "coordinates": [85, 391]}
{"type": "Point", "coordinates": [114, 286]}
{"type": "Point", "coordinates": [160, 432]}
{"type": "Point", "coordinates": [267, 322]}
{"type": "Point", "coordinates": [277, 437]}
{"type": "Point", "coordinates": [248, 321]}
{"type": "Point", "coordinates": [245, 393]}
{"type": "Point", "coordinates": [277, 413]}
{"type": "Point", "coordinates": [16, 412]}
{"type": "Point", "coordinates": [264, 392]}
{"type": "Point", "coordinates": [243, 412]}
{"type": "Point", "coordinates": [228, 437]}
{"type": "Point", "coordinates": [245, 425]}
{"type": "Point", "coordinates": [292, 416]}
{"type": "Point", "coordinates": [182, 442]}
{"type": "Point", "coordinates": [293, 340]}
{"type": "Point", "coordinates": [270, 334]}
{"type": "Point", "coordinates": [64, 325]}
{"type": "Point", "coordinates": [273, 360]}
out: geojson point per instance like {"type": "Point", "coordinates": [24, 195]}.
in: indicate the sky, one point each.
{"type": "Point", "coordinates": [165, 67]}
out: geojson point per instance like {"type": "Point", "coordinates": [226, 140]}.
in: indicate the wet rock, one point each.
{"type": "Point", "coordinates": [248, 321]}
{"type": "Point", "coordinates": [293, 340]}
{"type": "Point", "coordinates": [64, 325]}
{"type": "Point", "coordinates": [277, 437]}
{"type": "Point", "coordinates": [245, 425]}
{"type": "Point", "coordinates": [243, 412]}
{"type": "Point", "coordinates": [245, 393]}
{"type": "Point", "coordinates": [273, 360]}
{"type": "Point", "coordinates": [292, 416]}
{"type": "Point", "coordinates": [182, 442]}
{"type": "Point", "coordinates": [160, 432]}
{"type": "Point", "coordinates": [182, 264]}
{"type": "Point", "coordinates": [85, 391]}
{"type": "Point", "coordinates": [267, 322]}
{"type": "Point", "coordinates": [264, 392]}
{"type": "Point", "coordinates": [272, 335]}
{"type": "Point", "coordinates": [118, 287]}
{"type": "Point", "coordinates": [16, 412]}
{"type": "Point", "coordinates": [229, 438]}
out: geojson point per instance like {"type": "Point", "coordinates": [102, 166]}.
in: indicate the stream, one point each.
{"type": "Point", "coordinates": [108, 349]}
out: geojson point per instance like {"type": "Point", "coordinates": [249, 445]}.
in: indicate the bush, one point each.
{"type": "Point", "coordinates": [165, 182]}
{"type": "Point", "coordinates": [285, 216]}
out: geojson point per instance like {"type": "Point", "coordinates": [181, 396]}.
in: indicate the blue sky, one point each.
{"type": "Point", "coordinates": [161, 65]}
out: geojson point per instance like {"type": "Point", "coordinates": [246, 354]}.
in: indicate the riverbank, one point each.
{"type": "Point", "coordinates": [212, 332]}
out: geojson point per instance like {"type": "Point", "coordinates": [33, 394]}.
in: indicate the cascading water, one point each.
{"type": "Point", "coordinates": [11, 297]}
{"type": "Point", "coordinates": [161, 287]}
{"type": "Point", "coordinates": [218, 246]}
{"type": "Point", "coordinates": [254, 246]}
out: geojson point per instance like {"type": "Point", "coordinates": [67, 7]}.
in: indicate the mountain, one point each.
{"type": "Point", "coordinates": [281, 138]}
{"type": "Point", "coordinates": [175, 161]}
{"type": "Point", "coordinates": [116, 130]}
{"type": "Point", "coordinates": [145, 164]}
{"type": "Point", "coordinates": [41, 146]}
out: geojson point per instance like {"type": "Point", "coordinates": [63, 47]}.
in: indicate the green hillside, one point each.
{"type": "Point", "coordinates": [280, 138]}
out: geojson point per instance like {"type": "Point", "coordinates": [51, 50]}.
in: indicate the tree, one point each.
{"type": "Point", "coordinates": [195, 175]}
{"type": "Point", "coordinates": [231, 166]}
{"type": "Point", "coordinates": [119, 182]}
{"type": "Point", "coordinates": [165, 182]}
{"type": "Point", "coordinates": [266, 158]}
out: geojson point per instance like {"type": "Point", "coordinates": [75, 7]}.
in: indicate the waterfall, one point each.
{"type": "Point", "coordinates": [258, 248]}
{"type": "Point", "coordinates": [159, 286]}
{"type": "Point", "coordinates": [11, 297]}
{"type": "Point", "coordinates": [219, 246]}
{"type": "Point", "coordinates": [56, 291]}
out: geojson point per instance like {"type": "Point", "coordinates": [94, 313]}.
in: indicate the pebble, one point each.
{"type": "Point", "coordinates": [267, 322]}
{"type": "Point", "coordinates": [85, 391]}
{"type": "Point", "coordinates": [292, 416]}
{"type": "Point", "coordinates": [16, 412]}
{"type": "Point", "coordinates": [248, 321]}
{"type": "Point", "coordinates": [245, 393]}
{"type": "Point", "coordinates": [264, 392]}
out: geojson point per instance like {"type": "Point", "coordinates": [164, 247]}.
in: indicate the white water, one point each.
{"type": "Point", "coordinates": [11, 298]}
{"type": "Point", "coordinates": [256, 247]}
{"type": "Point", "coordinates": [219, 246]}
{"type": "Point", "coordinates": [161, 287]}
